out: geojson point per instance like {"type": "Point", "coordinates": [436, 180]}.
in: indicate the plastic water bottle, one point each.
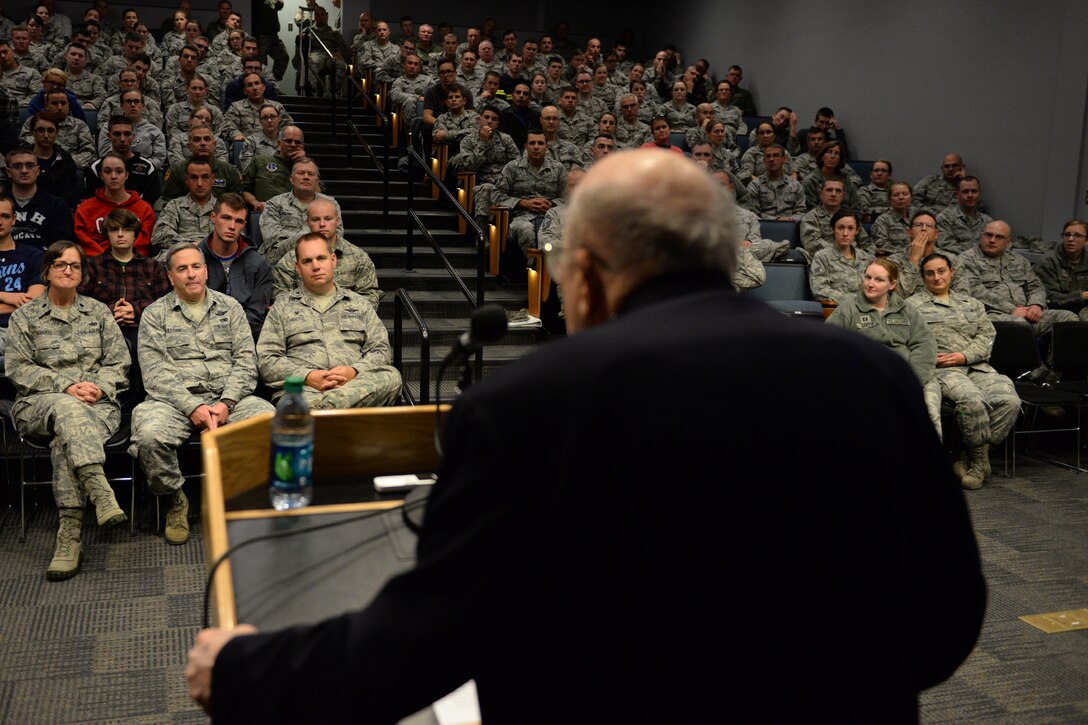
{"type": "Point", "coordinates": [292, 450]}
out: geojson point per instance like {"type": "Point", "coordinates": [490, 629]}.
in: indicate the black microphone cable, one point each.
{"type": "Point", "coordinates": [486, 325]}
{"type": "Point", "coordinates": [408, 505]}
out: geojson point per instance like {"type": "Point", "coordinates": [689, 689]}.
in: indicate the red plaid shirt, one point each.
{"type": "Point", "coordinates": [141, 281]}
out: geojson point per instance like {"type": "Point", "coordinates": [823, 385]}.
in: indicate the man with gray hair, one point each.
{"type": "Point", "coordinates": [646, 264]}
{"type": "Point", "coordinates": [199, 369]}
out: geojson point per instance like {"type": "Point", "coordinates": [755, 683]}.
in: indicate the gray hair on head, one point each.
{"type": "Point", "coordinates": [181, 247]}
{"type": "Point", "coordinates": [668, 216]}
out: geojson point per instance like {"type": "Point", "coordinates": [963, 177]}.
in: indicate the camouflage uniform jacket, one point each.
{"type": "Point", "coordinates": [631, 135]}
{"type": "Point", "coordinates": [1001, 283]}
{"type": "Point", "coordinates": [283, 219]}
{"type": "Point", "coordinates": [21, 82]}
{"type": "Point", "coordinates": [354, 271]}
{"type": "Point", "coordinates": [959, 325]}
{"type": "Point", "coordinates": [186, 363]}
{"type": "Point", "coordinates": [89, 87]}
{"type": "Point", "coordinates": [520, 181]}
{"type": "Point", "coordinates": [243, 117]}
{"type": "Point", "coordinates": [298, 339]}
{"type": "Point", "coordinates": [487, 159]}
{"type": "Point", "coordinates": [182, 220]}
{"type": "Point", "coordinates": [958, 231]}
{"type": "Point", "coordinates": [816, 232]}
{"type": "Point", "coordinates": [873, 200]}
{"type": "Point", "coordinates": [1064, 279]}
{"type": "Point", "coordinates": [934, 193]}
{"type": "Point", "coordinates": [457, 127]}
{"type": "Point", "coordinates": [771, 199]}
{"type": "Point", "coordinates": [48, 352]}
{"type": "Point", "coordinates": [834, 277]}
{"type": "Point", "coordinates": [73, 136]}
{"type": "Point", "coordinates": [177, 118]}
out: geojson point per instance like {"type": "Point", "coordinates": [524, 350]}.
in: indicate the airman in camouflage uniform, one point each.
{"type": "Point", "coordinates": [455, 127]}
{"type": "Point", "coordinates": [962, 223]}
{"type": "Point", "coordinates": [21, 82]}
{"type": "Point", "coordinates": [354, 269]}
{"type": "Point", "coordinates": [69, 363]}
{"type": "Point", "coordinates": [938, 191]}
{"type": "Point", "coordinates": [187, 218]}
{"type": "Point", "coordinates": [986, 402]}
{"type": "Point", "coordinates": [751, 238]}
{"type": "Point", "coordinates": [244, 117]}
{"type": "Point", "coordinates": [816, 230]}
{"type": "Point", "coordinates": [1064, 272]}
{"type": "Point", "coordinates": [328, 335]}
{"type": "Point", "coordinates": [561, 150]}
{"type": "Point", "coordinates": [284, 218]}
{"type": "Point", "coordinates": [485, 152]}
{"type": "Point", "coordinates": [892, 229]}
{"type": "Point", "coordinates": [631, 134]}
{"type": "Point", "coordinates": [1005, 282]}
{"type": "Point", "coordinates": [781, 198]}
{"type": "Point", "coordinates": [178, 114]}
{"type": "Point", "coordinates": [89, 87]}
{"type": "Point", "coordinates": [199, 369]}
{"type": "Point", "coordinates": [529, 186]}
{"type": "Point", "coordinates": [410, 87]}
{"type": "Point", "coordinates": [833, 276]}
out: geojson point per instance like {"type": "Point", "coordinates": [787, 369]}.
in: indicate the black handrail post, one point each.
{"type": "Point", "coordinates": [408, 261]}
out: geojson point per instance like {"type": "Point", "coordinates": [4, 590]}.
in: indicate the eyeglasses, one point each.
{"type": "Point", "coordinates": [1074, 235]}
{"type": "Point", "coordinates": [629, 105]}
{"type": "Point", "coordinates": [292, 141]}
{"type": "Point", "coordinates": [271, 117]}
{"type": "Point", "coordinates": [991, 235]}
{"type": "Point", "coordinates": [61, 266]}
{"type": "Point", "coordinates": [924, 225]}
{"type": "Point", "coordinates": [23, 166]}
{"type": "Point", "coordinates": [132, 102]}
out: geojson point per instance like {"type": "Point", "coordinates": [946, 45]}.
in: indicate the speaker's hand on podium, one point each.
{"type": "Point", "coordinates": [198, 673]}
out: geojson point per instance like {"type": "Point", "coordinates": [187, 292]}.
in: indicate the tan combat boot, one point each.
{"type": "Point", "coordinates": [101, 494]}
{"type": "Point", "coordinates": [177, 519]}
{"type": "Point", "coordinates": [961, 464]}
{"type": "Point", "coordinates": [979, 468]}
{"type": "Point", "coordinates": [69, 553]}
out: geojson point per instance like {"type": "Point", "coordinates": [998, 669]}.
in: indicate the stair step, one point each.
{"type": "Point", "coordinates": [358, 185]}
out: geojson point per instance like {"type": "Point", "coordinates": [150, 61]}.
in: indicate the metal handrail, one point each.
{"type": "Point", "coordinates": [383, 169]}
{"type": "Point", "coordinates": [481, 241]}
{"type": "Point", "coordinates": [402, 302]}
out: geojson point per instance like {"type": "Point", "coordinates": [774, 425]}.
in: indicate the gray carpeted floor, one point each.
{"type": "Point", "coordinates": [109, 645]}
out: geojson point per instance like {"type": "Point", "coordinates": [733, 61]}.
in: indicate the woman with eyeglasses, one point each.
{"type": "Point", "coordinates": [69, 365]}
{"type": "Point", "coordinates": [986, 402]}
{"type": "Point", "coordinates": [1064, 272]}
{"type": "Point", "coordinates": [57, 173]}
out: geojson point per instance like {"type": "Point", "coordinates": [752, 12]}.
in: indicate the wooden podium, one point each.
{"type": "Point", "coordinates": [333, 573]}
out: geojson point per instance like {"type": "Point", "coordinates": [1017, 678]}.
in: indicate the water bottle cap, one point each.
{"type": "Point", "coordinates": [293, 384]}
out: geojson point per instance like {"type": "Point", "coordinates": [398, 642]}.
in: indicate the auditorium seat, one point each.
{"type": "Point", "coordinates": [779, 230]}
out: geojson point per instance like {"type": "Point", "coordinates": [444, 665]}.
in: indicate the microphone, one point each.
{"type": "Point", "coordinates": [487, 325]}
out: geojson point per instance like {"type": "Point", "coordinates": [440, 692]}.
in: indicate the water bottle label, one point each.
{"type": "Point", "coordinates": [292, 465]}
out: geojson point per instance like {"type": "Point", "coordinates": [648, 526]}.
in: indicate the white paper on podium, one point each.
{"type": "Point", "coordinates": [460, 707]}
